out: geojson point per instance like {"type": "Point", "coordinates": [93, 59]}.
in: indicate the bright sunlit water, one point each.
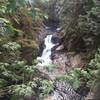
{"type": "Point", "coordinates": [46, 55]}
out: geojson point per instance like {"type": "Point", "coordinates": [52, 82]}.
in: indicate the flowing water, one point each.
{"type": "Point", "coordinates": [46, 55]}
{"type": "Point", "coordinates": [63, 90]}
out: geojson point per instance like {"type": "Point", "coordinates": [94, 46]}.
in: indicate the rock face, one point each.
{"type": "Point", "coordinates": [60, 60]}
{"type": "Point", "coordinates": [76, 60]}
{"type": "Point", "coordinates": [64, 91]}
{"type": "Point", "coordinates": [64, 62]}
{"type": "Point", "coordinates": [55, 39]}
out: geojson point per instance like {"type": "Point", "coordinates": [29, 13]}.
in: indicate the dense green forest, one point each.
{"type": "Point", "coordinates": [75, 68]}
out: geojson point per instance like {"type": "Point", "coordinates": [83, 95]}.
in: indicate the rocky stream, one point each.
{"type": "Point", "coordinates": [55, 62]}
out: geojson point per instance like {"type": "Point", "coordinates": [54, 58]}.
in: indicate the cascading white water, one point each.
{"type": "Point", "coordinates": [46, 55]}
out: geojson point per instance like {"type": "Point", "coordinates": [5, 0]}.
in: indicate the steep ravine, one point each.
{"type": "Point", "coordinates": [55, 62]}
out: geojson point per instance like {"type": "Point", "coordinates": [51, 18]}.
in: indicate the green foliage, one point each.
{"type": "Point", "coordinates": [19, 22]}
{"type": "Point", "coordinates": [96, 11]}
{"type": "Point", "coordinates": [13, 70]}
{"type": "Point", "coordinates": [90, 74]}
{"type": "Point", "coordinates": [45, 87]}
{"type": "Point", "coordinates": [94, 67]}
{"type": "Point", "coordinates": [3, 83]}
{"type": "Point", "coordinates": [20, 12]}
{"type": "Point", "coordinates": [29, 70]}
{"type": "Point", "coordinates": [94, 70]}
{"type": "Point", "coordinates": [10, 71]}
{"type": "Point", "coordinates": [3, 20]}
{"type": "Point", "coordinates": [95, 63]}
{"type": "Point", "coordinates": [35, 62]}
{"type": "Point", "coordinates": [6, 28]}
{"type": "Point", "coordinates": [49, 67]}
{"type": "Point", "coordinates": [14, 5]}
{"type": "Point", "coordinates": [21, 91]}
{"type": "Point", "coordinates": [81, 19]}
{"type": "Point", "coordinates": [39, 9]}
{"type": "Point", "coordinates": [13, 46]}
{"type": "Point", "coordinates": [18, 77]}
{"type": "Point", "coordinates": [74, 77]}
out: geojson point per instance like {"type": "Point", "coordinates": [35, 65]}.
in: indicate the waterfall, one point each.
{"type": "Point", "coordinates": [63, 90]}
{"type": "Point", "coordinates": [46, 55]}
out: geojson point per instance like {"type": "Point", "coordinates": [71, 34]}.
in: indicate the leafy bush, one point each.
{"type": "Point", "coordinates": [6, 28]}
{"type": "Point", "coordinates": [75, 77]}
{"type": "Point", "coordinates": [93, 68]}
{"type": "Point", "coordinates": [19, 91]}
{"type": "Point", "coordinates": [49, 67]}
{"type": "Point", "coordinates": [46, 87]}
{"type": "Point", "coordinates": [18, 77]}
{"type": "Point", "coordinates": [19, 23]}
{"type": "Point", "coordinates": [13, 46]}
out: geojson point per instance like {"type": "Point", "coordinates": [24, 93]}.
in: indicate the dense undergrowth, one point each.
{"type": "Point", "coordinates": [80, 25]}
{"type": "Point", "coordinates": [20, 23]}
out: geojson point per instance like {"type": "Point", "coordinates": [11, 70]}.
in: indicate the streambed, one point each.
{"type": "Point", "coordinates": [53, 56]}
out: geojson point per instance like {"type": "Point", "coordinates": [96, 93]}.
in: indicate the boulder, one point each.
{"type": "Point", "coordinates": [55, 39]}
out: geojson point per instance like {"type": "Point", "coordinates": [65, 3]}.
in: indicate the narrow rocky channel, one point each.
{"type": "Point", "coordinates": [52, 62]}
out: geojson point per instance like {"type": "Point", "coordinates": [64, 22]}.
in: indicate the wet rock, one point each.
{"type": "Point", "coordinates": [62, 62]}
{"type": "Point", "coordinates": [64, 91]}
{"type": "Point", "coordinates": [61, 47]}
{"type": "Point", "coordinates": [41, 47]}
{"type": "Point", "coordinates": [76, 44]}
{"type": "Point", "coordinates": [55, 39]}
{"type": "Point", "coordinates": [90, 96]}
{"type": "Point", "coordinates": [65, 62]}
{"type": "Point", "coordinates": [75, 60]}
{"type": "Point", "coordinates": [58, 29]}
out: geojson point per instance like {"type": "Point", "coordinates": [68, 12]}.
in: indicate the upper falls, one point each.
{"type": "Point", "coordinates": [46, 55]}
